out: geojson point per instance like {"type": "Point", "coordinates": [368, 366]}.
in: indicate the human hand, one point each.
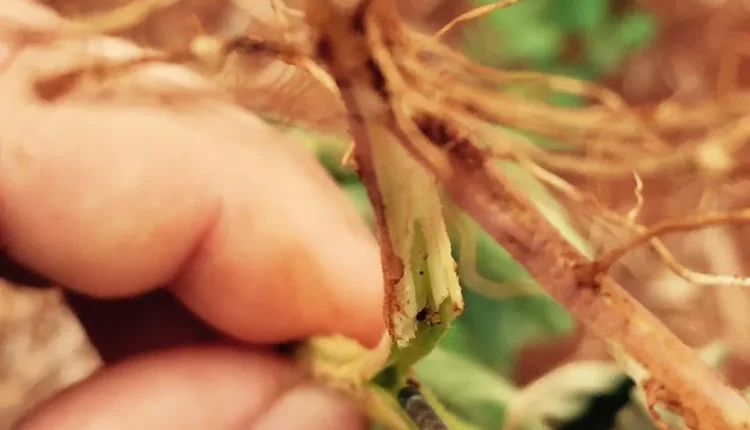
{"type": "Point", "coordinates": [169, 214]}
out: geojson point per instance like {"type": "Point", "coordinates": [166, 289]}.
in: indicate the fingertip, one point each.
{"type": "Point", "coordinates": [306, 264]}
{"type": "Point", "coordinates": [360, 290]}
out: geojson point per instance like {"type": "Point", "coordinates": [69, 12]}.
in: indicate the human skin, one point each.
{"type": "Point", "coordinates": [188, 239]}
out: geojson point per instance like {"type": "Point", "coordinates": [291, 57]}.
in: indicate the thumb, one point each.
{"type": "Point", "coordinates": [196, 389]}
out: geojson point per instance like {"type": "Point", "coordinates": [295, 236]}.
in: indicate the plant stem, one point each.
{"type": "Point", "coordinates": [357, 40]}
{"type": "Point", "coordinates": [598, 301]}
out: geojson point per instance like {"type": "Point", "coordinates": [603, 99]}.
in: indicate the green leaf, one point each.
{"type": "Point", "coordinates": [483, 265]}
{"type": "Point", "coordinates": [540, 46]}
{"type": "Point", "coordinates": [497, 329]}
{"type": "Point", "coordinates": [473, 391]}
{"type": "Point", "coordinates": [636, 29]}
{"type": "Point", "coordinates": [579, 15]}
{"type": "Point", "coordinates": [455, 340]}
{"type": "Point", "coordinates": [519, 17]}
{"type": "Point", "coordinates": [609, 45]}
{"type": "Point", "coordinates": [604, 50]}
{"type": "Point", "coordinates": [519, 33]}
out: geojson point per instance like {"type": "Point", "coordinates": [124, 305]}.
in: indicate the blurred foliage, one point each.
{"type": "Point", "coordinates": [582, 38]}
{"type": "Point", "coordinates": [471, 370]}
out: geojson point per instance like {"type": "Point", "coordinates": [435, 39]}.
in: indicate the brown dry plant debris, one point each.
{"type": "Point", "coordinates": [42, 349]}
{"type": "Point", "coordinates": [693, 54]}
{"type": "Point", "coordinates": [443, 109]}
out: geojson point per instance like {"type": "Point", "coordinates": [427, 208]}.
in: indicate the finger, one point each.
{"type": "Point", "coordinates": [216, 388]}
{"type": "Point", "coordinates": [115, 200]}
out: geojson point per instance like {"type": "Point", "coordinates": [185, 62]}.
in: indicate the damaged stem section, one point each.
{"type": "Point", "coordinates": [427, 292]}
{"type": "Point", "coordinates": [423, 294]}
{"type": "Point", "coordinates": [421, 285]}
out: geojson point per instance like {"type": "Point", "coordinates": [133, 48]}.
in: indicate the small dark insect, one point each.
{"type": "Point", "coordinates": [416, 406]}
